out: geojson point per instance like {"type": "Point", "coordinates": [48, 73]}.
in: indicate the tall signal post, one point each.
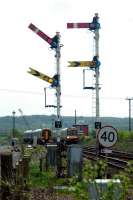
{"type": "Point", "coordinates": [94, 26]}
{"type": "Point", "coordinates": [58, 87]}
{"type": "Point", "coordinates": [55, 84]}
{"type": "Point", "coordinates": [96, 37]}
{"type": "Point", "coordinates": [55, 80]}
{"type": "Point", "coordinates": [94, 65]}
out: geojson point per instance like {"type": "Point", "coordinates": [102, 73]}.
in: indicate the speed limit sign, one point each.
{"type": "Point", "coordinates": [107, 136]}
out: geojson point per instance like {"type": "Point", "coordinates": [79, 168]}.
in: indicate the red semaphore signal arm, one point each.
{"type": "Point", "coordinates": [40, 33]}
{"type": "Point", "coordinates": [78, 25]}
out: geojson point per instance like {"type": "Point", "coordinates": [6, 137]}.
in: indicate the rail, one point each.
{"type": "Point", "coordinates": [117, 159]}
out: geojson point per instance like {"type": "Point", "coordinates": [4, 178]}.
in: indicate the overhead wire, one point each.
{"type": "Point", "coordinates": [63, 95]}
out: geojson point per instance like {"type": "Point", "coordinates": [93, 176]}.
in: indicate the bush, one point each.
{"type": "Point", "coordinates": [125, 135]}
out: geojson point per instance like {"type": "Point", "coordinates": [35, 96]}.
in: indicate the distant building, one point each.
{"type": "Point", "coordinates": [82, 129]}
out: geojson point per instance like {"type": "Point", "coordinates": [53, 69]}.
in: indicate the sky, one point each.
{"type": "Point", "coordinates": [20, 49]}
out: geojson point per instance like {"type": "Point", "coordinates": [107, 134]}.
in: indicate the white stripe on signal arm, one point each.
{"type": "Point", "coordinates": [75, 25]}
{"type": "Point", "coordinates": [36, 30]}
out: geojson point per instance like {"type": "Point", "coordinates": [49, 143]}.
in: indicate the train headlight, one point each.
{"type": "Point", "coordinates": [58, 139]}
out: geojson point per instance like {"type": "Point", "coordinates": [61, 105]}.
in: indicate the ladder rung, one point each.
{"type": "Point", "coordinates": [90, 88]}
{"type": "Point", "coordinates": [52, 106]}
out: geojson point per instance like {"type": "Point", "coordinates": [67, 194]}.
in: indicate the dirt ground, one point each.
{"type": "Point", "coordinates": [47, 194]}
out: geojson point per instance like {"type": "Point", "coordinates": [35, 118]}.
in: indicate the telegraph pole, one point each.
{"type": "Point", "coordinates": [13, 124]}
{"type": "Point", "coordinates": [129, 100]}
{"type": "Point", "coordinates": [75, 117]}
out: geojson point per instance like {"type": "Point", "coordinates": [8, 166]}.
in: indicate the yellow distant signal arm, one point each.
{"type": "Point", "coordinates": [81, 63]}
{"type": "Point", "coordinates": [40, 75]}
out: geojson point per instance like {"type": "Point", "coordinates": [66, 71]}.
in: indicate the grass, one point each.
{"type": "Point", "coordinates": [47, 180]}
{"type": "Point", "coordinates": [39, 179]}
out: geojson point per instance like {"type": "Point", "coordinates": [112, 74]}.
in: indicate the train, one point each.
{"type": "Point", "coordinates": [71, 135]}
{"type": "Point", "coordinates": [41, 136]}
{"type": "Point", "coordinates": [46, 135]}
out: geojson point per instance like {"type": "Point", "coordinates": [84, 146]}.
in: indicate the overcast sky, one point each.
{"type": "Point", "coordinates": [20, 49]}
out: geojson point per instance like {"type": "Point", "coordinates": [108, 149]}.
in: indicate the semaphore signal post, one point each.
{"type": "Point", "coordinates": [94, 65]}
{"type": "Point", "coordinates": [58, 86]}
{"type": "Point", "coordinates": [55, 80]}
{"type": "Point", "coordinates": [94, 26]}
{"type": "Point", "coordinates": [55, 83]}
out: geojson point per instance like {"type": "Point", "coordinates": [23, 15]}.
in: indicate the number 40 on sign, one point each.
{"type": "Point", "coordinates": [107, 136]}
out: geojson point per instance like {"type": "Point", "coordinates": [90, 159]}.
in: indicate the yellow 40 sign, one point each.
{"type": "Point", "coordinates": [107, 136]}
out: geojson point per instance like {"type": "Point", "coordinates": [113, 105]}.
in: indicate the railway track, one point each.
{"type": "Point", "coordinates": [117, 159]}
{"type": "Point", "coordinates": [122, 154]}
{"type": "Point", "coordinates": [114, 153]}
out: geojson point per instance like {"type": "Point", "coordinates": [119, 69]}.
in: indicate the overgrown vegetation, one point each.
{"type": "Point", "coordinates": [125, 135]}
{"type": "Point", "coordinates": [79, 189]}
{"type": "Point", "coordinates": [125, 141]}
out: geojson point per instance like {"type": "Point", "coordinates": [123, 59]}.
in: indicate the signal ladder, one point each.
{"type": "Point", "coordinates": [93, 96]}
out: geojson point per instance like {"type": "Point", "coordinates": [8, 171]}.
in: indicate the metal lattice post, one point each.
{"type": "Point", "coordinates": [96, 58]}
{"type": "Point", "coordinates": [96, 37]}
